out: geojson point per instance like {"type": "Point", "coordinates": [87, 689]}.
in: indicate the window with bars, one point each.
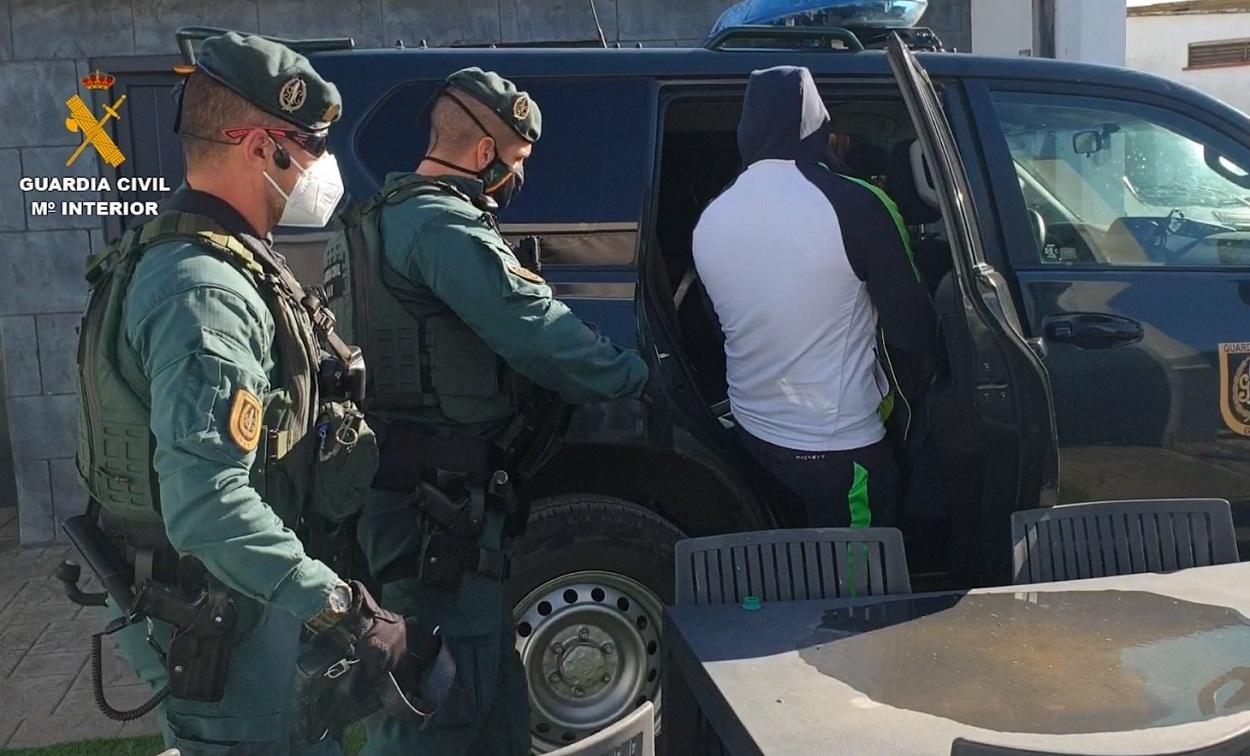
{"type": "Point", "coordinates": [1230, 52]}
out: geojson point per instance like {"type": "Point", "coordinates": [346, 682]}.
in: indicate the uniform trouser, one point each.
{"type": "Point", "coordinates": [488, 711]}
{"type": "Point", "coordinates": [255, 714]}
{"type": "Point", "coordinates": [851, 488]}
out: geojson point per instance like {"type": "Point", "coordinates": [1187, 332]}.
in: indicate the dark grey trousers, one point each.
{"type": "Point", "coordinates": [838, 489]}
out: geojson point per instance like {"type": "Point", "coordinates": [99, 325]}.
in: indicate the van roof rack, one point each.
{"type": "Point", "coordinates": [188, 35]}
{"type": "Point", "coordinates": [819, 38]}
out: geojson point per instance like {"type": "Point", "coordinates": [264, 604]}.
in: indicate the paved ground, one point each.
{"type": "Point", "coordinates": [45, 683]}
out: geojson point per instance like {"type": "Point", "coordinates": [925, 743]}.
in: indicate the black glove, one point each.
{"type": "Point", "coordinates": [372, 659]}
{"type": "Point", "coordinates": [380, 636]}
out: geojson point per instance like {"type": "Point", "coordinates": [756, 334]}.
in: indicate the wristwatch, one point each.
{"type": "Point", "coordinates": [338, 604]}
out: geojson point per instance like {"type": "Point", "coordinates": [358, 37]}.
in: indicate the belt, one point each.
{"type": "Point", "coordinates": [496, 565]}
{"type": "Point", "coordinates": [407, 454]}
{"type": "Point", "coordinates": [146, 548]}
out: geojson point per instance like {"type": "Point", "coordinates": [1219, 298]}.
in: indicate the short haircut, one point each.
{"type": "Point", "coordinates": [208, 106]}
{"type": "Point", "coordinates": [452, 131]}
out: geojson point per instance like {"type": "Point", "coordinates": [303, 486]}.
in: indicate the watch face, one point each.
{"type": "Point", "coordinates": [340, 600]}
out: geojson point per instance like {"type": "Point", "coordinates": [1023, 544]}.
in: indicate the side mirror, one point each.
{"type": "Point", "coordinates": [1088, 142]}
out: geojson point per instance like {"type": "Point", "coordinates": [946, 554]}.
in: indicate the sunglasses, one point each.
{"type": "Point", "coordinates": [314, 144]}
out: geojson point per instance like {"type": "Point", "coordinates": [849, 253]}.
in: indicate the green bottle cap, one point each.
{"type": "Point", "coordinates": [751, 603]}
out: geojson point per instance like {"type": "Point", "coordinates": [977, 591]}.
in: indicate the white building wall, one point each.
{"type": "Point", "coordinates": [1160, 45]}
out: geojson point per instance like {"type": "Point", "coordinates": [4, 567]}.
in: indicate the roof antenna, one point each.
{"type": "Point", "coordinates": [602, 40]}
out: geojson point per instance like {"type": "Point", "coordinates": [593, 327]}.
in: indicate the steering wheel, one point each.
{"type": "Point", "coordinates": [1165, 228]}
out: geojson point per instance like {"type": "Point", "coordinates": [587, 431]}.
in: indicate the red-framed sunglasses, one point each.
{"type": "Point", "coordinates": [314, 144]}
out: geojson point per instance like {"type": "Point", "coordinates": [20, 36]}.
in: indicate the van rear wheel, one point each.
{"type": "Point", "coordinates": [589, 581]}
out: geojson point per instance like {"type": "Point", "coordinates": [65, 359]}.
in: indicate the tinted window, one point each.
{"type": "Point", "coordinates": [588, 167]}
{"type": "Point", "coordinates": [1117, 183]}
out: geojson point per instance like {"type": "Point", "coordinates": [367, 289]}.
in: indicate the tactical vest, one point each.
{"type": "Point", "coordinates": [420, 353]}
{"type": "Point", "coordinates": [114, 442]}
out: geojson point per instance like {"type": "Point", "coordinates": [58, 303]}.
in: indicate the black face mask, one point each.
{"type": "Point", "coordinates": [501, 182]}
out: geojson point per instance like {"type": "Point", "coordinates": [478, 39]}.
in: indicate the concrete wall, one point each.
{"type": "Point", "coordinates": [952, 20]}
{"type": "Point", "coordinates": [1160, 44]}
{"type": "Point", "coordinates": [1002, 27]}
{"type": "Point", "coordinates": [45, 47]}
{"type": "Point", "coordinates": [1090, 30]}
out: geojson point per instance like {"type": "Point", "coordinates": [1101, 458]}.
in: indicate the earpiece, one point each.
{"type": "Point", "coordinates": [281, 157]}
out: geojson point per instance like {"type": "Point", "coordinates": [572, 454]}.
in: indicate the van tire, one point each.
{"type": "Point", "coordinates": [576, 546]}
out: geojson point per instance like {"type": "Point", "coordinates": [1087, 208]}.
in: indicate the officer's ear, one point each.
{"type": "Point", "coordinates": [485, 152]}
{"type": "Point", "coordinates": [258, 150]}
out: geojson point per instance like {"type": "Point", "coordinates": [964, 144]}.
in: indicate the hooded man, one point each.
{"type": "Point", "coordinates": [809, 272]}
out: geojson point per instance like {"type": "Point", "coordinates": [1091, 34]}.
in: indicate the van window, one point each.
{"type": "Point", "coordinates": [1118, 183]}
{"type": "Point", "coordinates": [588, 166]}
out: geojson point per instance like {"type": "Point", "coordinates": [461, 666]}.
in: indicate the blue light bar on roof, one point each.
{"type": "Point", "coordinates": [882, 14]}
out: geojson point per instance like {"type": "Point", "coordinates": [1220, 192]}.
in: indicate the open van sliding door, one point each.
{"type": "Point", "coordinates": [1012, 415]}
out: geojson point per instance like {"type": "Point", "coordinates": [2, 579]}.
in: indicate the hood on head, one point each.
{"type": "Point", "coordinates": [783, 117]}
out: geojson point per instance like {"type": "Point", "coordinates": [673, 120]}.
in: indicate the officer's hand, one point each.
{"type": "Point", "coordinates": [381, 636]}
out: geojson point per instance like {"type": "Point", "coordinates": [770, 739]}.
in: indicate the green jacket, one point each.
{"type": "Point", "coordinates": [202, 331]}
{"type": "Point", "coordinates": [441, 247]}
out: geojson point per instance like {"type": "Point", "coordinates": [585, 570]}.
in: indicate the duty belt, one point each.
{"type": "Point", "coordinates": [146, 548]}
{"type": "Point", "coordinates": [407, 454]}
{"type": "Point", "coordinates": [495, 565]}
{"type": "Point", "coordinates": [454, 484]}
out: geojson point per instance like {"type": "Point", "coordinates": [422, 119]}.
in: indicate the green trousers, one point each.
{"type": "Point", "coordinates": [488, 711]}
{"type": "Point", "coordinates": [254, 715]}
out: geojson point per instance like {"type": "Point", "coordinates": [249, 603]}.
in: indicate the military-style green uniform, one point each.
{"type": "Point", "coordinates": [197, 438]}
{"type": "Point", "coordinates": [467, 330]}
{"type": "Point", "coordinates": [197, 338]}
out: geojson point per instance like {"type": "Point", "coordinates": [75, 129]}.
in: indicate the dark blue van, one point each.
{"type": "Point", "coordinates": [1084, 232]}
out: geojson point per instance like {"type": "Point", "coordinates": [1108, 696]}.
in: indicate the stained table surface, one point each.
{"type": "Point", "coordinates": [1139, 664]}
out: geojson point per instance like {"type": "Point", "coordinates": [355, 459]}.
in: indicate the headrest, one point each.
{"type": "Point", "coordinates": [905, 164]}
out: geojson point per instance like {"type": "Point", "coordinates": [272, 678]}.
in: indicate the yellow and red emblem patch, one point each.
{"type": "Point", "coordinates": [526, 273]}
{"type": "Point", "coordinates": [245, 416]}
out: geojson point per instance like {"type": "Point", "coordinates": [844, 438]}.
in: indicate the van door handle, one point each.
{"type": "Point", "coordinates": [1092, 330]}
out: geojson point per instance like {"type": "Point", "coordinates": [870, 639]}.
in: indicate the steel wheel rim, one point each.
{"type": "Point", "coordinates": [590, 645]}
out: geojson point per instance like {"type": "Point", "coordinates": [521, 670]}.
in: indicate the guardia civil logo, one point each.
{"type": "Point", "coordinates": [94, 131]}
{"type": "Point", "coordinates": [83, 121]}
{"type": "Point", "coordinates": [1235, 386]}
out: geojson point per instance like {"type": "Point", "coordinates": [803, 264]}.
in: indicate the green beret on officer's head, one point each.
{"type": "Point", "coordinates": [273, 77]}
{"type": "Point", "coordinates": [517, 109]}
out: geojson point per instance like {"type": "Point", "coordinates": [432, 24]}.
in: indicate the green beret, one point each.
{"type": "Point", "coordinates": [273, 77]}
{"type": "Point", "coordinates": [517, 109]}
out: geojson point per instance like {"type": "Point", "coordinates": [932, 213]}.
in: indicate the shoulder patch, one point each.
{"type": "Point", "coordinates": [526, 273]}
{"type": "Point", "coordinates": [245, 414]}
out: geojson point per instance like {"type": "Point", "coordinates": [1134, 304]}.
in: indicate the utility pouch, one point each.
{"type": "Point", "coordinates": [347, 459]}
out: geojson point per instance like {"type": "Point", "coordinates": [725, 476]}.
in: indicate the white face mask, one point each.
{"type": "Point", "coordinates": [315, 195]}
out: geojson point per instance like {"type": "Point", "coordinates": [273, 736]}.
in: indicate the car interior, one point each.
{"type": "Point", "coordinates": [699, 159]}
{"type": "Point", "coordinates": [1121, 193]}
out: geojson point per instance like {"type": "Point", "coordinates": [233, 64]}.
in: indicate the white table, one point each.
{"type": "Point", "coordinates": [1140, 664]}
